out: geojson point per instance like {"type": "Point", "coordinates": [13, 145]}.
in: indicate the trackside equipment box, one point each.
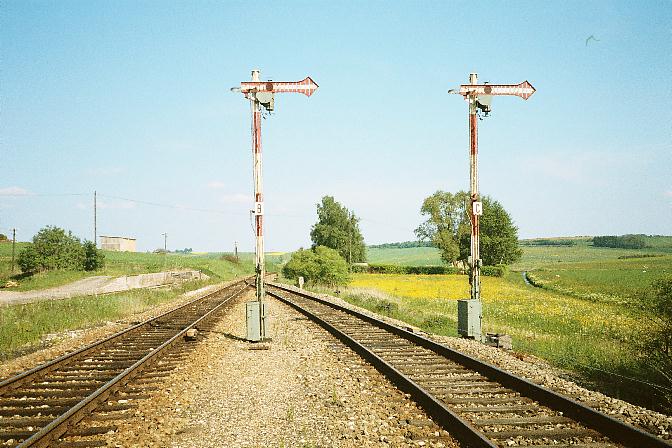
{"type": "Point", "coordinates": [469, 318]}
{"type": "Point", "coordinates": [256, 329]}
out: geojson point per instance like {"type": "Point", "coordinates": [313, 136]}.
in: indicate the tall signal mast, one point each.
{"type": "Point", "coordinates": [479, 97]}
{"type": "Point", "coordinates": [262, 94]}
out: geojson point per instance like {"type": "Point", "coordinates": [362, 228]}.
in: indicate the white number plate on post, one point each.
{"type": "Point", "coordinates": [258, 208]}
{"type": "Point", "coordinates": [478, 208]}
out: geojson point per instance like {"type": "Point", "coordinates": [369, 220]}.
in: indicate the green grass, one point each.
{"type": "Point", "coordinates": [616, 280]}
{"type": "Point", "coordinates": [569, 332]}
{"type": "Point", "coordinates": [131, 263]}
{"type": "Point", "coordinates": [544, 256]}
{"type": "Point", "coordinates": [22, 327]}
{"type": "Point", "coordinates": [412, 256]}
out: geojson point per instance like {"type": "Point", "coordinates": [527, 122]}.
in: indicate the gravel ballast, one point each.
{"type": "Point", "coordinates": [302, 389]}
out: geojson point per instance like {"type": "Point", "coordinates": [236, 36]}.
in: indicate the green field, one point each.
{"type": "Point", "coordinates": [413, 256]}
{"type": "Point", "coordinates": [132, 263]}
{"type": "Point", "coordinates": [544, 256]}
{"type": "Point", "coordinates": [23, 327]}
{"type": "Point", "coordinates": [607, 280]}
{"type": "Point", "coordinates": [585, 317]}
{"type": "Point", "coordinates": [583, 271]}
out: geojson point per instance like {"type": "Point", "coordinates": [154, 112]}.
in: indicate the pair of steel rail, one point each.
{"type": "Point", "coordinates": [477, 402]}
{"type": "Point", "coordinates": [43, 404]}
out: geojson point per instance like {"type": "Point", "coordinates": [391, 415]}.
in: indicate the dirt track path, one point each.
{"type": "Point", "coordinates": [100, 284]}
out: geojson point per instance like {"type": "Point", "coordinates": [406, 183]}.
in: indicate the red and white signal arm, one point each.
{"type": "Point", "coordinates": [523, 90]}
{"type": "Point", "coordinates": [306, 86]}
{"type": "Point", "coordinates": [477, 208]}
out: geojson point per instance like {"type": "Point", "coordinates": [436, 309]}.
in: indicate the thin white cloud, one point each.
{"type": "Point", "coordinates": [668, 194]}
{"type": "Point", "coordinates": [216, 184]}
{"type": "Point", "coordinates": [14, 191]}
{"type": "Point", "coordinates": [236, 198]}
{"type": "Point", "coordinates": [81, 206]}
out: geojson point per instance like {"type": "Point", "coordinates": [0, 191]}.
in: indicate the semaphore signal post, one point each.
{"type": "Point", "coordinates": [479, 97]}
{"type": "Point", "coordinates": [262, 94]}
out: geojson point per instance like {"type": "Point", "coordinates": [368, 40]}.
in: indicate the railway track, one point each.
{"type": "Point", "coordinates": [43, 406]}
{"type": "Point", "coordinates": [478, 403]}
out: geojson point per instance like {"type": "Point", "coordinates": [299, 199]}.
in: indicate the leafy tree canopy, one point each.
{"type": "Point", "coordinates": [53, 248]}
{"type": "Point", "coordinates": [338, 228]}
{"type": "Point", "coordinates": [319, 265]}
{"type": "Point", "coordinates": [622, 242]}
{"type": "Point", "coordinates": [448, 227]}
{"type": "Point", "coordinates": [402, 245]}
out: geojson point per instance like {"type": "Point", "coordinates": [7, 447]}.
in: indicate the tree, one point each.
{"type": "Point", "coordinates": [319, 265]}
{"type": "Point", "coordinates": [445, 214]}
{"type": "Point", "coordinates": [338, 228]}
{"type": "Point", "coordinates": [57, 249]}
{"type": "Point", "coordinates": [448, 227]}
{"type": "Point", "coordinates": [54, 248]}
{"type": "Point", "coordinates": [499, 237]}
{"type": "Point", "coordinates": [94, 259]}
{"type": "Point", "coordinates": [28, 259]}
{"type": "Point", "coordinates": [622, 242]}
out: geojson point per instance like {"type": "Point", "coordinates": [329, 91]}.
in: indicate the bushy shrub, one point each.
{"type": "Point", "coordinates": [494, 271]}
{"type": "Point", "coordinates": [320, 265]}
{"type": "Point", "coordinates": [28, 259]}
{"type": "Point", "coordinates": [359, 267]}
{"type": "Point", "coordinates": [94, 259]}
{"type": "Point", "coordinates": [53, 248]}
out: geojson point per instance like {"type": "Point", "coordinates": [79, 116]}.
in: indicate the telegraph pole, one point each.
{"type": "Point", "coordinates": [263, 94]}
{"type": "Point", "coordinates": [13, 247]}
{"type": "Point", "coordinates": [235, 250]}
{"type": "Point", "coordinates": [165, 250]}
{"type": "Point", "coordinates": [95, 219]}
{"type": "Point", "coordinates": [479, 98]}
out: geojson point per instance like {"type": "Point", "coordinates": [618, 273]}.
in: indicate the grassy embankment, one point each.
{"type": "Point", "coordinates": [23, 327]}
{"type": "Point", "coordinates": [586, 318]}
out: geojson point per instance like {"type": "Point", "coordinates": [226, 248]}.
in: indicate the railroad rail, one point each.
{"type": "Point", "coordinates": [477, 402]}
{"type": "Point", "coordinates": [42, 406]}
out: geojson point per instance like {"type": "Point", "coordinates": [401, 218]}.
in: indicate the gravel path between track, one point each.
{"type": "Point", "coordinates": [305, 390]}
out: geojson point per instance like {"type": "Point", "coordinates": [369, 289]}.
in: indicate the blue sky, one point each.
{"type": "Point", "coordinates": [132, 99]}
